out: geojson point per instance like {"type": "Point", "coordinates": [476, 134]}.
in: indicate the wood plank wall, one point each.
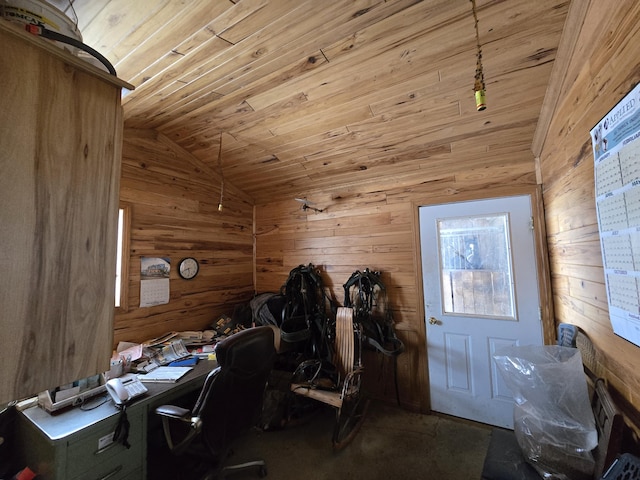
{"type": "Point", "coordinates": [174, 213]}
{"type": "Point", "coordinates": [604, 67]}
{"type": "Point", "coordinates": [375, 226]}
{"type": "Point", "coordinates": [173, 199]}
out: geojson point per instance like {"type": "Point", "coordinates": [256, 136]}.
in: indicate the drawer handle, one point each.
{"type": "Point", "coordinates": [112, 473]}
{"type": "Point", "coordinates": [104, 449]}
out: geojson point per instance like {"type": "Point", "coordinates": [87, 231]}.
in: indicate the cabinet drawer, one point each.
{"type": "Point", "coordinates": [137, 474]}
{"type": "Point", "coordinates": [124, 466]}
{"type": "Point", "coordinates": [96, 455]}
{"type": "Point", "coordinates": [116, 468]}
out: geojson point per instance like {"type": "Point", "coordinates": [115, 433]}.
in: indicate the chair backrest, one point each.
{"type": "Point", "coordinates": [610, 426]}
{"type": "Point", "coordinates": [608, 418]}
{"type": "Point", "coordinates": [592, 367]}
{"type": "Point", "coordinates": [231, 399]}
{"type": "Point", "coordinates": [345, 354]}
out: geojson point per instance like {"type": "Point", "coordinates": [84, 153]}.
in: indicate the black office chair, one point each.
{"type": "Point", "coordinates": [228, 406]}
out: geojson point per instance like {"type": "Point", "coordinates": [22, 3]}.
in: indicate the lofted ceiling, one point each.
{"type": "Point", "coordinates": [324, 92]}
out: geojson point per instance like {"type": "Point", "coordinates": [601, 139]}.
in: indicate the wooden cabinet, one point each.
{"type": "Point", "coordinates": [60, 140]}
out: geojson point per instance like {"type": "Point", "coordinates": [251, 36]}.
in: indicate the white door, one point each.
{"type": "Point", "coordinates": [480, 292]}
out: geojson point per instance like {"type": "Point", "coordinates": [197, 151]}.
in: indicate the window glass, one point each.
{"type": "Point", "coordinates": [475, 265]}
{"type": "Point", "coordinates": [122, 258]}
{"type": "Point", "coordinates": [119, 257]}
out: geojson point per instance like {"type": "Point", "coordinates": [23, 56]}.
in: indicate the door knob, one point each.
{"type": "Point", "coordinates": [433, 321]}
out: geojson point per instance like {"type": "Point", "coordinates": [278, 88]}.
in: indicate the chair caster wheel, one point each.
{"type": "Point", "coordinates": [263, 472]}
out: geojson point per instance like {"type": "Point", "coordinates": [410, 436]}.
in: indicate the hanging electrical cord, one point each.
{"type": "Point", "coordinates": [478, 86]}
{"type": "Point", "coordinates": [58, 37]}
{"type": "Point", "coordinates": [75, 15]}
{"type": "Point", "coordinates": [221, 174]}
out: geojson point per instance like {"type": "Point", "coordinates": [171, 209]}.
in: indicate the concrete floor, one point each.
{"type": "Point", "coordinates": [391, 444]}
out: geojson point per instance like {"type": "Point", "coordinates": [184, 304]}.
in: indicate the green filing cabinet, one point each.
{"type": "Point", "coordinates": [74, 444]}
{"type": "Point", "coordinates": [78, 444]}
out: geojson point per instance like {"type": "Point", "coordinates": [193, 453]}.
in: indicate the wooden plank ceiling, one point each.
{"type": "Point", "coordinates": [319, 93]}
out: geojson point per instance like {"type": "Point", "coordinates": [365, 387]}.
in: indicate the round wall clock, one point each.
{"type": "Point", "coordinates": [188, 268]}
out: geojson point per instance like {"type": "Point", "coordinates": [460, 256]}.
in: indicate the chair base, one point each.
{"type": "Point", "coordinates": [222, 473]}
{"type": "Point", "coordinates": [231, 469]}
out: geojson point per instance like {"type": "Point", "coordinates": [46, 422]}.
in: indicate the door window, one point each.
{"type": "Point", "coordinates": [475, 266]}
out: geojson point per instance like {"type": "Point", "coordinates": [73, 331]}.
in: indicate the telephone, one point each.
{"type": "Point", "coordinates": [125, 388]}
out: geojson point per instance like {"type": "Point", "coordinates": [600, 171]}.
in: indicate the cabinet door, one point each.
{"type": "Point", "coordinates": [60, 137]}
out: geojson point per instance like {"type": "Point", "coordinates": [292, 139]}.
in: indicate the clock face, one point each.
{"type": "Point", "coordinates": [188, 268]}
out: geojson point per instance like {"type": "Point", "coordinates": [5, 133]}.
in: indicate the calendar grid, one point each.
{"type": "Point", "coordinates": [616, 150]}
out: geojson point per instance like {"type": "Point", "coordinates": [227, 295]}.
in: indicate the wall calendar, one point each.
{"type": "Point", "coordinates": [154, 281]}
{"type": "Point", "coordinates": [616, 151]}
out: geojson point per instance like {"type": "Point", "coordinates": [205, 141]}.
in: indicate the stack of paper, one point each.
{"type": "Point", "coordinates": [164, 374]}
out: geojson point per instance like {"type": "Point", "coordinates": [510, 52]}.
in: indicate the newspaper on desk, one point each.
{"type": "Point", "coordinates": [197, 337]}
{"type": "Point", "coordinates": [165, 354]}
{"type": "Point", "coordinates": [163, 350]}
{"type": "Point", "coordinates": [159, 354]}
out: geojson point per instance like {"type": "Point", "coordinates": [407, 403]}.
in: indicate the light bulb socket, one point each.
{"type": "Point", "coordinates": [481, 101]}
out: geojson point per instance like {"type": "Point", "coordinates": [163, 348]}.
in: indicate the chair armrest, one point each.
{"type": "Point", "coordinates": [351, 384]}
{"type": "Point", "coordinates": [169, 413]}
{"type": "Point", "coordinates": [172, 411]}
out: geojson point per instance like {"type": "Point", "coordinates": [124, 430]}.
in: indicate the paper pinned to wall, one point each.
{"type": "Point", "coordinates": [154, 281]}
{"type": "Point", "coordinates": [616, 151]}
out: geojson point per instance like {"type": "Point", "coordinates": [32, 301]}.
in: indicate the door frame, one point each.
{"type": "Point", "coordinates": [542, 264]}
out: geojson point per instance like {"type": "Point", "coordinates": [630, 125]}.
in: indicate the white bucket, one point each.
{"type": "Point", "coordinates": [38, 12]}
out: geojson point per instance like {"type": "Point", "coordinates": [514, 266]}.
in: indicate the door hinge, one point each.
{"type": "Point", "coordinates": [531, 224]}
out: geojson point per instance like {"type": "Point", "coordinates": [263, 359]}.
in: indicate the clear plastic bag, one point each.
{"type": "Point", "coordinates": [553, 419]}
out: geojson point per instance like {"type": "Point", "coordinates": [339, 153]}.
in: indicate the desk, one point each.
{"type": "Point", "coordinates": [76, 444]}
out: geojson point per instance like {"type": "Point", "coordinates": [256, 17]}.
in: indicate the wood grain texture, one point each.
{"type": "Point", "coordinates": [602, 69]}
{"type": "Point", "coordinates": [60, 176]}
{"type": "Point", "coordinates": [365, 108]}
{"type": "Point", "coordinates": [326, 93]}
{"type": "Point", "coordinates": [376, 227]}
{"type": "Point", "coordinates": [174, 213]}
